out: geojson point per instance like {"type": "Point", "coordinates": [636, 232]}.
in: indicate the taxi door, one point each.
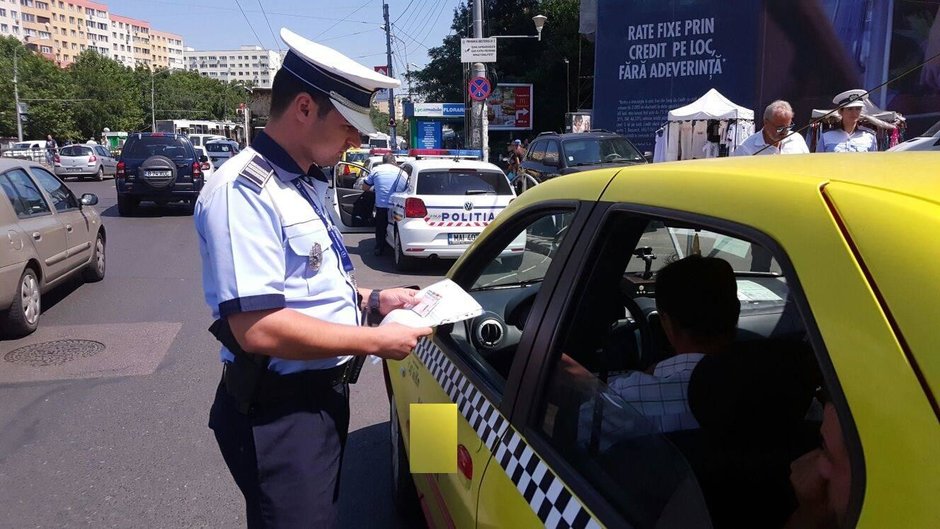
{"type": "Point", "coordinates": [352, 209]}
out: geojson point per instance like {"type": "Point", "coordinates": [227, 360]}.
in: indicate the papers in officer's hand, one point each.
{"type": "Point", "coordinates": [443, 302]}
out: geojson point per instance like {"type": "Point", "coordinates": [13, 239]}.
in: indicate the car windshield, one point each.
{"type": "Point", "coordinates": [75, 150]}
{"type": "Point", "coordinates": [592, 151]}
{"type": "Point", "coordinates": [932, 131]}
{"type": "Point", "coordinates": [218, 147]}
{"type": "Point", "coordinates": [462, 182]}
{"type": "Point", "coordinates": [148, 146]}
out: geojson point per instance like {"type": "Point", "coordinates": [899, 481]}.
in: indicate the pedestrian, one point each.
{"type": "Point", "coordinates": [849, 136]}
{"type": "Point", "coordinates": [282, 288]}
{"type": "Point", "coordinates": [775, 136]}
{"type": "Point", "coordinates": [52, 148]}
{"type": "Point", "coordinates": [516, 154]}
{"type": "Point", "coordinates": [385, 179]}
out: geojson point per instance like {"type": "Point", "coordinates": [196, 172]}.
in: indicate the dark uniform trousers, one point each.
{"type": "Point", "coordinates": [286, 456]}
{"type": "Point", "coordinates": [381, 228]}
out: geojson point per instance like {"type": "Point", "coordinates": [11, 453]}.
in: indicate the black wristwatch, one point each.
{"type": "Point", "coordinates": [372, 308]}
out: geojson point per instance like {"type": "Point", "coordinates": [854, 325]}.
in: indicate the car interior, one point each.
{"type": "Point", "coordinates": [755, 402]}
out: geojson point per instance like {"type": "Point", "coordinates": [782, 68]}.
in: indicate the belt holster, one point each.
{"type": "Point", "coordinates": [243, 376]}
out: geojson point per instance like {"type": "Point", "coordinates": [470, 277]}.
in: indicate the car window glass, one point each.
{"type": "Point", "coordinates": [463, 182]}
{"type": "Point", "coordinates": [710, 432]}
{"type": "Point", "coordinates": [488, 342]}
{"type": "Point", "coordinates": [536, 151]}
{"type": "Point", "coordinates": [31, 197]}
{"type": "Point", "coordinates": [62, 198]}
{"type": "Point", "coordinates": [75, 150]}
{"type": "Point", "coordinates": [146, 146]}
{"type": "Point", "coordinates": [103, 152]}
{"type": "Point", "coordinates": [13, 196]}
{"type": "Point", "coordinates": [218, 147]}
{"type": "Point", "coordinates": [551, 153]}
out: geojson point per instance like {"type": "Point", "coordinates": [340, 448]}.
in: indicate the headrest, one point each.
{"type": "Point", "coordinates": [754, 387]}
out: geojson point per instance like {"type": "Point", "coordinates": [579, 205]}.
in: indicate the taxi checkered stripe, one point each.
{"type": "Point", "coordinates": [548, 497]}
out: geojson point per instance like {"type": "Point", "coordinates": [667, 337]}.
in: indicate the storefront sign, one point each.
{"type": "Point", "coordinates": [438, 110]}
{"type": "Point", "coordinates": [429, 134]}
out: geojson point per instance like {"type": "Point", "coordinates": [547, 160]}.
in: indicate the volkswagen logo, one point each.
{"type": "Point", "coordinates": [468, 206]}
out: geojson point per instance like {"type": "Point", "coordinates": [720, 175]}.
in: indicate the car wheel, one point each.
{"type": "Point", "coordinates": [404, 493]}
{"type": "Point", "coordinates": [94, 272]}
{"type": "Point", "coordinates": [403, 263]}
{"type": "Point", "coordinates": [126, 205]}
{"type": "Point", "coordinates": [99, 176]}
{"type": "Point", "coordinates": [23, 316]}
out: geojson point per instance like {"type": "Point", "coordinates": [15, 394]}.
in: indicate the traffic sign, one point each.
{"type": "Point", "coordinates": [381, 69]}
{"type": "Point", "coordinates": [478, 50]}
{"type": "Point", "coordinates": [479, 88]}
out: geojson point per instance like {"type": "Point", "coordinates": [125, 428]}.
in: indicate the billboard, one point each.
{"type": "Point", "coordinates": [670, 52]}
{"type": "Point", "coordinates": [509, 107]}
{"type": "Point", "coordinates": [428, 135]}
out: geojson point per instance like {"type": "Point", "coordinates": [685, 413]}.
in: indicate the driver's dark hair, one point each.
{"type": "Point", "coordinates": [286, 87]}
{"type": "Point", "coordinates": [700, 295]}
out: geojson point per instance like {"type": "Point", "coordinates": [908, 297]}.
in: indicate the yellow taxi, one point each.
{"type": "Point", "coordinates": [838, 276]}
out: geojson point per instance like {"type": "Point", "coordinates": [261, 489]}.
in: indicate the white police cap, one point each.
{"type": "Point", "coordinates": [851, 98]}
{"type": "Point", "coordinates": [349, 85]}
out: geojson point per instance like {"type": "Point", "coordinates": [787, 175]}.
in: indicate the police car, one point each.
{"type": "Point", "coordinates": [447, 202]}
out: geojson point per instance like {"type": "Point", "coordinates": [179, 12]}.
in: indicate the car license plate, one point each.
{"type": "Point", "coordinates": [72, 169]}
{"type": "Point", "coordinates": [157, 173]}
{"type": "Point", "coordinates": [461, 238]}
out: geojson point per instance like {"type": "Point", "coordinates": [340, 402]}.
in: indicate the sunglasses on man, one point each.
{"type": "Point", "coordinates": [785, 128]}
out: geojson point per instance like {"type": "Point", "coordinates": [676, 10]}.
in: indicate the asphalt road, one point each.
{"type": "Point", "coordinates": [116, 435]}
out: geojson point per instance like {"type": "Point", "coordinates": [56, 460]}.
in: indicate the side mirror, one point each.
{"type": "Point", "coordinates": [649, 156]}
{"type": "Point", "coordinates": [550, 162]}
{"type": "Point", "coordinates": [89, 199]}
{"type": "Point", "coordinates": [203, 158]}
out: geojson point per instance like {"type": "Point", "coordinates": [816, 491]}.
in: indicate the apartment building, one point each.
{"type": "Point", "coordinates": [249, 64]}
{"type": "Point", "coordinates": [166, 50]}
{"type": "Point", "coordinates": [61, 29]}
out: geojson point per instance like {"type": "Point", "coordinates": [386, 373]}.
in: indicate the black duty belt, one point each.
{"type": "Point", "coordinates": [274, 388]}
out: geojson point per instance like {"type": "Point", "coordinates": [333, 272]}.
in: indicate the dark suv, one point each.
{"type": "Point", "coordinates": [552, 154]}
{"type": "Point", "coordinates": [159, 167]}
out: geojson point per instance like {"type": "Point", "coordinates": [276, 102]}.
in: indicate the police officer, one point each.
{"type": "Point", "coordinates": [384, 179]}
{"type": "Point", "coordinates": [282, 288]}
{"type": "Point", "coordinates": [849, 136]}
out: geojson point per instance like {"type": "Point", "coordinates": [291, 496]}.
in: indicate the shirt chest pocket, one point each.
{"type": "Point", "coordinates": [310, 256]}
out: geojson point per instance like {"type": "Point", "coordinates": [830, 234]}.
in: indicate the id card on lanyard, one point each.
{"type": "Point", "coordinates": [337, 242]}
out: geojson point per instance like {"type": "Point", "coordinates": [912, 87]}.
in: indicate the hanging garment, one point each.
{"type": "Point", "coordinates": [672, 141]}
{"type": "Point", "coordinates": [659, 145]}
{"type": "Point", "coordinates": [685, 140]}
{"type": "Point", "coordinates": [699, 138]}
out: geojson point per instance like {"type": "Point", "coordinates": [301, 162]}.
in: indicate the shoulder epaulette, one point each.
{"type": "Point", "coordinates": [256, 173]}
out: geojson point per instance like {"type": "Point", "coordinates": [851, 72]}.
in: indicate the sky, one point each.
{"type": "Point", "coordinates": [353, 27]}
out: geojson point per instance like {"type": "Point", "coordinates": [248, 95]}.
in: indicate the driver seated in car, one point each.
{"type": "Point", "coordinates": [697, 301]}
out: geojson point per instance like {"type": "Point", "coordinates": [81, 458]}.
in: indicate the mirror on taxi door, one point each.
{"type": "Point", "coordinates": [89, 199]}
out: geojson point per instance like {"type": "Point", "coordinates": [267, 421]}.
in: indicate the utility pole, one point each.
{"type": "Point", "coordinates": [478, 123]}
{"type": "Point", "coordinates": [16, 98]}
{"type": "Point", "coordinates": [153, 109]}
{"type": "Point", "coordinates": [393, 141]}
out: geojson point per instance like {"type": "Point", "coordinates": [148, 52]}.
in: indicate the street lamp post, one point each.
{"type": "Point", "coordinates": [16, 96]}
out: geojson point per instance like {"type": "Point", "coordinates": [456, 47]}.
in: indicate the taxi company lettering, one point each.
{"type": "Point", "coordinates": [685, 49]}
{"type": "Point", "coordinates": [468, 216]}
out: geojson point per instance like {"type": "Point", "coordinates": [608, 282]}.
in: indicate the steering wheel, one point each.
{"type": "Point", "coordinates": [611, 157]}
{"type": "Point", "coordinates": [642, 325]}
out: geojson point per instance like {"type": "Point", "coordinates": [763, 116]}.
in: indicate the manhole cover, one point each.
{"type": "Point", "coordinates": [53, 353]}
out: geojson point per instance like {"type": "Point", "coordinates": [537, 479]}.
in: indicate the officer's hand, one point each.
{"type": "Point", "coordinates": [396, 341]}
{"type": "Point", "coordinates": [396, 298]}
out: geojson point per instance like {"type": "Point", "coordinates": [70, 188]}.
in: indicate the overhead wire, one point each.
{"type": "Point", "coordinates": [404, 11]}
{"type": "Point", "coordinates": [432, 24]}
{"type": "Point", "coordinates": [249, 23]}
{"type": "Point", "coordinates": [344, 19]}
{"type": "Point", "coordinates": [277, 42]}
{"type": "Point", "coordinates": [417, 25]}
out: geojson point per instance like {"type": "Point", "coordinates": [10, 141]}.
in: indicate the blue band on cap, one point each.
{"type": "Point", "coordinates": [325, 81]}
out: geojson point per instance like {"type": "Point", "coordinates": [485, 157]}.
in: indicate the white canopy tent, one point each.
{"type": "Point", "coordinates": [684, 135]}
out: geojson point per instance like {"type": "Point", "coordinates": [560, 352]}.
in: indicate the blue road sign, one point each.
{"type": "Point", "coordinates": [479, 88]}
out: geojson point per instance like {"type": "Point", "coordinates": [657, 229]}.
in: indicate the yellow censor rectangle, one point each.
{"type": "Point", "coordinates": [433, 438]}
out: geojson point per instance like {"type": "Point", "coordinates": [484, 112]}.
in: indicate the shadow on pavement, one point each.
{"type": "Point", "coordinates": [151, 210]}
{"type": "Point", "coordinates": [364, 499]}
{"type": "Point", "coordinates": [386, 261]}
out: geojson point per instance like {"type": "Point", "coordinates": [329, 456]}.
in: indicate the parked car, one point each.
{"type": "Point", "coordinates": [84, 160]}
{"type": "Point", "coordinates": [219, 151]}
{"type": "Point", "coordinates": [157, 166]}
{"type": "Point", "coordinates": [445, 204]}
{"type": "Point", "coordinates": [837, 276]}
{"type": "Point", "coordinates": [50, 237]}
{"type": "Point", "coordinates": [551, 155]}
{"type": "Point", "coordinates": [929, 140]}
{"type": "Point", "coordinates": [208, 167]}
{"type": "Point", "coordinates": [34, 150]}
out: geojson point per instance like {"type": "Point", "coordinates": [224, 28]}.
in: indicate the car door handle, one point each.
{"type": "Point", "coordinates": [68, 228]}
{"type": "Point", "coordinates": [37, 236]}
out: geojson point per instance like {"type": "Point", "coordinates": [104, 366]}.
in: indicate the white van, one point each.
{"type": "Point", "coordinates": [199, 140]}
{"type": "Point", "coordinates": [34, 150]}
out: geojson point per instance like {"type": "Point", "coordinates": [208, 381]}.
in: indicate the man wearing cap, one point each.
{"type": "Point", "coordinates": [281, 286]}
{"type": "Point", "coordinates": [849, 136]}
{"type": "Point", "coordinates": [385, 179]}
{"type": "Point", "coordinates": [775, 136]}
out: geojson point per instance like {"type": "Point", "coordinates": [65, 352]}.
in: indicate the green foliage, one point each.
{"type": "Point", "coordinates": [379, 119]}
{"type": "Point", "coordinates": [95, 92]}
{"type": "Point", "coordinates": [519, 60]}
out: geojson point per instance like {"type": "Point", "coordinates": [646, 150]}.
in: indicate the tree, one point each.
{"type": "Point", "coordinates": [112, 93]}
{"type": "Point", "coordinates": [43, 87]}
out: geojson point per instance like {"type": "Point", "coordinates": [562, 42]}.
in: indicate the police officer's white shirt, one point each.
{"type": "Point", "coordinates": [257, 246]}
{"type": "Point", "coordinates": [838, 140]}
{"type": "Point", "coordinates": [792, 144]}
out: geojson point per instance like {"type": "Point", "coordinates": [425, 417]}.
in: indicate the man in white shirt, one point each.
{"type": "Point", "coordinates": [698, 306]}
{"type": "Point", "coordinates": [775, 136]}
